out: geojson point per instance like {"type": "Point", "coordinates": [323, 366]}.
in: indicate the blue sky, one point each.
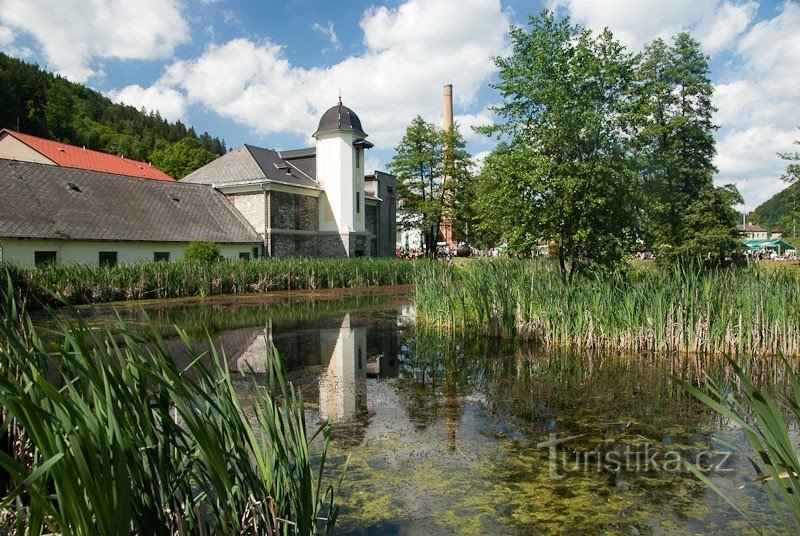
{"type": "Point", "coordinates": [263, 72]}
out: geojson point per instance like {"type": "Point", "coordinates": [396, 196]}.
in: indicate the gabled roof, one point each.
{"type": "Point", "coordinates": [77, 157]}
{"type": "Point", "coordinates": [45, 201]}
{"type": "Point", "coordinates": [255, 164]}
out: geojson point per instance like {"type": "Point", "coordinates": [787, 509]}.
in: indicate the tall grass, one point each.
{"type": "Point", "coordinates": [80, 284]}
{"type": "Point", "coordinates": [106, 435]}
{"type": "Point", "coordinates": [675, 309]}
{"type": "Point", "coordinates": [776, 461]}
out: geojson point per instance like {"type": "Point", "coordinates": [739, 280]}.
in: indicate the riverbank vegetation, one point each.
{"type": "Point", "coordinates": [676, 308]}
{"type": "Point", "coordinates": [81, 284]}
{"type": "Point", "coordinates": [107, 438]}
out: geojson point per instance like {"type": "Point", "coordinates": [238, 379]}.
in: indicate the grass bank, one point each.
{"type": "Point", "coordinates": [736, 311]}
{"type": "Point", "coordinates": [107, 437]}
{"type": "Point", "coordinates": [82, 284]}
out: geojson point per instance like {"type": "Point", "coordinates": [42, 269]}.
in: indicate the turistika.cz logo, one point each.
{"type": "Point", "coordinates": [639, 459]}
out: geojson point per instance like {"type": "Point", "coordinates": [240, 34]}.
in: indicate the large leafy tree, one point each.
{"type": "Point", "coordinates": [564, 174]}
{"type": "Point", "coordinates": [424, 156]}
{"type": "Point", "coordinates": [676, 150]}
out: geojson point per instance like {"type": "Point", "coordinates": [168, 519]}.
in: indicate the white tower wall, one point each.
{"type": "Point", "coordinates": [342, 180]}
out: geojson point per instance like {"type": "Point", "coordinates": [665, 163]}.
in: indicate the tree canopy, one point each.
{"type": "Point", "coordinates": [602, 151]}
{"type": "Point", "coordinates": [181, 158]}
{"type": "Point", "coordinates": [565, 167]}
{"type": "Point", "coordinates": [423, 157]}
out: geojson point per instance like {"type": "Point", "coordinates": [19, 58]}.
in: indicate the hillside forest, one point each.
{"type": "Point", "coordinates": [43, 104]}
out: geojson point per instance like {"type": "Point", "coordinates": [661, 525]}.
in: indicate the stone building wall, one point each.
{"type": "Point", "coordinates": [371, 224]}
{"type": "Point", "coordinates": [292, 211]}
{"type": "Point", "coordinates": [304, 245]}
{"type": "Point", "coordinates": [252, 207]}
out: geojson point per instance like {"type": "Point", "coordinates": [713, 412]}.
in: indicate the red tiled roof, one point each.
{"type": "Point", "coordinates": [77, 157]}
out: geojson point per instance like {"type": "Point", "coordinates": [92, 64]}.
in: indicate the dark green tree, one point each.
{"type": "Point", "coordinates": [677, 147]}
{"type": "Point", "coordinates": [424, 156]}
{"type": "Point", "coordinates": [710, 223]}
{"type": "Point", "coordinates": [565, 174]}
{"type": "Point", "coordinates": [181, 158]}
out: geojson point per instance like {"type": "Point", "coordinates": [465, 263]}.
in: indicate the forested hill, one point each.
{"type": "Point", "coordinates": [37, 102]}
{"type": "Point", "coordinates": [776, 211]}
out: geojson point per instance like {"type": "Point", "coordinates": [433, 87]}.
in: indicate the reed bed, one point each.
{"type": "Point", "coordinates": [82, 284]}
{"type": "Point", "coordinates": [106, 437]}
{"type": "Point", "coordinates": [681, 308]}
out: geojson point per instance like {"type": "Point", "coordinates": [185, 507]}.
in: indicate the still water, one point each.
{"type": "Point", "coordinates": [478, 436]}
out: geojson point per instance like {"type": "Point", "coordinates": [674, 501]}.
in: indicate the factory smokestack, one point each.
{"type": "Point", "coordinates": [448, 222]}
{"type": "Point", "coordinates": [447, 108]}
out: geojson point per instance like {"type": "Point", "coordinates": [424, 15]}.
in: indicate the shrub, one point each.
{"type": "Point", "coordinates": [202, 251]}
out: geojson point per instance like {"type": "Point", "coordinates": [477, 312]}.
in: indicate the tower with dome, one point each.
{"type": "Point", "coordinates": [318, 201]}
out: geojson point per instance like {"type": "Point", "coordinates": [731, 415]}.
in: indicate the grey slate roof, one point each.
{"type": "Point", "coordinates": [254, 164]}
{"type": "Point", "coordinates": [42, 201]}
{"type": "Point", "coordinates": [339, 117]}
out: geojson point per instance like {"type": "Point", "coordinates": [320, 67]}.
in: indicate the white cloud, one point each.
{"type": "Point", "coordinates": [329, 32]}
{"type": "Point", "coordinates": [716, 23]}
{"type": "Point", "coordinates": [74, 34]}
{"type": "Point", "coordinates": [171, 104]}
{"type": "Point", "coordinates": [758, 108]}
{"type": "Point", "coordinates": [6, 35]}
{"type": "Point", "coordinates": [466, 122]}
{"type": "Point", "coordinates": [371, 164]}
{"type": "Point", "coordinates": [409, 56]}
{"type": "Point", "coordinates": [719, 27]}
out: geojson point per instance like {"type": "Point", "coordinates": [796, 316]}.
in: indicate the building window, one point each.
{"type": "Point", "coordinates": [358, 158]}
{"type": "Point", "coordinates": [161, 256]}
{"type": "Point", "coordinates": [42, 257]}
{"type": "Point", "coordinates": [108, 258]}
{"type": "Point", "coordinates": [255, 252]}
{"type": "Point", "coordinates": [358, 202]}
{"type": "Point", "coordinates": [244, 256]}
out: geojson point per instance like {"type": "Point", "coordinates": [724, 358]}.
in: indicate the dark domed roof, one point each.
{"type": "Point", "coordinates": [339, 117]}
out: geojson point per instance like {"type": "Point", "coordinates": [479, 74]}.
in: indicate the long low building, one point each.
{"type": "Point", "coordinates": [65, 204]}
{"type": "Point", "coordinates": [57, 214]}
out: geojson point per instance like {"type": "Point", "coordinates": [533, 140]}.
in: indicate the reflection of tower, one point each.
{"type": "Point", "coordinates": [448, 222]}
{"type": "Point", "coordinates": [343, 384]}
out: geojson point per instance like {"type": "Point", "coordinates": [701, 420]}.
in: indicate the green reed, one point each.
{"type": "Point", "coordinates": [80, 284]}
{"type": "Point", "coordinates": [107, 435]}
{"type": "Point", "coordinates": [766, 422]}
{"type": "Point", "coordinates": [681, 308]}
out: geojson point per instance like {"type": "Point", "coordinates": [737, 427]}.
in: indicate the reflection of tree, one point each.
{"type": "Point", "coordinates": [569, 393]}
{"type": "Point", "coordinates": [436, 372]}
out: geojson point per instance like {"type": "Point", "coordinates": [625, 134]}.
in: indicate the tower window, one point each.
{"type": "Point", "coordinates": [358, 158]}
{"type": "Point", "coordinates": [358, 202]}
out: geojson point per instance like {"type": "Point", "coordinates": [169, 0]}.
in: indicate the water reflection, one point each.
{"type": "Point", "coordinates": [442, 431]}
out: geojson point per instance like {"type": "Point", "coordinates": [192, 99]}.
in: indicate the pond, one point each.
{"type": "Point", "coordinates": [479, 436]}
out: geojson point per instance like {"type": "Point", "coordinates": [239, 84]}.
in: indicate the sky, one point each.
{"type": "Point", "coordinates": [263, 72]}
